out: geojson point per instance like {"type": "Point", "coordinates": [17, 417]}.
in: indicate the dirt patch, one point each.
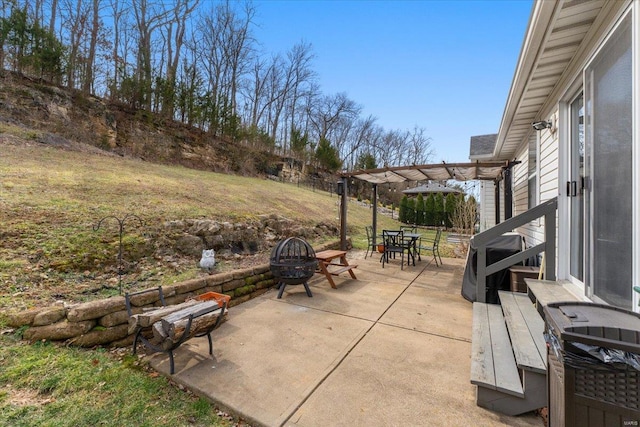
{"type": "Point", "coordinates": [25, 397]}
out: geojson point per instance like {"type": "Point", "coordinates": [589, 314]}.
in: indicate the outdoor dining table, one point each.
{"type": "Point", "coordinates": [410, 241]}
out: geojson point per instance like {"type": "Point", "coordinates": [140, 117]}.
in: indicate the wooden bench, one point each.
{"type": "Point", "coordinates": [165, 328]}
{"type": "Point", "coordinates": [341, 269]}
{"type": "Point", "coordinates": [508, 363]}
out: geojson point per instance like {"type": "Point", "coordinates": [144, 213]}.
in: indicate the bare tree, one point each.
{"type": "Point", "coordinates": [278, 86]}
{"type": "Point", "coordinates": [390, 147]}
{"type": "Point", "coordinates": [419, 148]}
{"type": "Point", "coordinates": [91, 57]}
{"type": "Point", "coordinates": [300, 76]}
{"type": "Point", "coordinates": [226, 45]}
{"type": "Point", "coordinates": [54, 14]}
{"type": "Point", "coordinates": [238, 46]}
{"type": "Point", "coordinates": [363, 136]}
{"type": "Point", "coordinates": [255, 93]}
{"type": "Point", "coordinates": [74, 22]}
{"type": "Point", "coordinates": [325, 114]}
{"type": "Point", "coordinates": [148, 17]}
{"type": "Point", "coordinates": [465, 215]}
{"type": "Point", "coordinates": [181, 11]}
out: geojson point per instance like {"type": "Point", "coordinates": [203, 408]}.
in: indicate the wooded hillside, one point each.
{"type": "Point", "coordinates": [196, 63]}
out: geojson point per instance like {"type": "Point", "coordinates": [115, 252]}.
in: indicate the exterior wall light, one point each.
{"type": "Point", "coordinates": [542, 124]}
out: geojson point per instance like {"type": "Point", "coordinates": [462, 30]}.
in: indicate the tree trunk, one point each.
{"type": "Point", "coordinates": [95, 27]}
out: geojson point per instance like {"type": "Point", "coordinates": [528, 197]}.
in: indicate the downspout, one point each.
{"type": "Point", "coordinates": [508, 193]}
{"type": "Point", "coordinates": [508, 188]}
{"type": "Point", "coordinates": [496, 190]}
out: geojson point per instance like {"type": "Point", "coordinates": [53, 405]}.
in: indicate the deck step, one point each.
{"type": "Point", "coordinates": [493, 364]}
{"type": "Point", "coordinates": [526, 330]}
{"type": "Point", "coordinates": [506, 362]}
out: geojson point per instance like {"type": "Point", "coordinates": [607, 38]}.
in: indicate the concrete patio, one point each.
{"type": "Point", "coordinates": [391, 348]}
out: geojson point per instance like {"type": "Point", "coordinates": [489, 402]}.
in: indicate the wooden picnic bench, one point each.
{"type": "Point", "coordinates": [327, 264]}
{"type": "Point", "coordinates": [165, 328]}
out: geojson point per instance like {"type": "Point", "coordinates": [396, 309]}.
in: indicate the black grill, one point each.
{"type": "Point", "coordinates": [293, 262]}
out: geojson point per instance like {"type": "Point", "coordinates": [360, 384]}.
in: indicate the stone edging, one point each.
{"type": "Point", "coordinates": [105, 322]}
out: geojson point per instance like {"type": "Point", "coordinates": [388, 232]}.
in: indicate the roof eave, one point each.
{"type": "Point", "coordinates": [539, 23]}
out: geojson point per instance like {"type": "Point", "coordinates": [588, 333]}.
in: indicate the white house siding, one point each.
{"type": "Point", "coordinates": [533, 232]}
{"type": "Point", "coordinates": [520, 184]}
{"type": "Point", "coordinates": [487, 205]}
{"type": "Point", "coordinates": [548, 165]}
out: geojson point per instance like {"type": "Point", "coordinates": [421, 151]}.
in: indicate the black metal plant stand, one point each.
{"type": "Point", "coordinates": [121, 223]}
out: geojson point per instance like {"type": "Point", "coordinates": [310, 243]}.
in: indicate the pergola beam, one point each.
{"type": "Point", "coordinates": [487, 171]}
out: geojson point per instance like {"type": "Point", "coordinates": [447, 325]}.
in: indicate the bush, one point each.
{"type": "Point", "coordinates": [439, 209]}
{"type": "Point", "coordinates": [420, 210]}
{"type": "Point", "coordinates": [450, 203]}
{"type": "Point", "coordinates": [411, 211]}
{"type": "Point", "coordinates": [430, 210]}
{"type": "Point", "coordinates": [402, 216]}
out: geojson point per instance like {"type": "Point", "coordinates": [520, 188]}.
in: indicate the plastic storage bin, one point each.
{"type": "Point", "coordinates": [593, 372]}
{"type": "Point", "coordinates": [519, 273]}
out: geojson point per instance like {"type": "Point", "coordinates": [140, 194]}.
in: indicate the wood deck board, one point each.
{"type": "Point", "coordinates": [525, 328]}
{"type": "Point", "coordinates": [481, 359]}
{"type": "Point", "coordinates": [493, 364]}
{"type": "Point", "coordinates": [545, 292]}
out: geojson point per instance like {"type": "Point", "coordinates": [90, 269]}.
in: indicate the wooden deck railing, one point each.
{"type": "Point", "coordinates": [547, 210]}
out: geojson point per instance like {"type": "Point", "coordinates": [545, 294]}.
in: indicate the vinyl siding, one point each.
{"type": "Point", "coordinates": [487, 207]}
{"type": "Point", "coordinates": [533, 232]}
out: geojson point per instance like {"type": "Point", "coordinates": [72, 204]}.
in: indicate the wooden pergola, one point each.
{"type": "Point", "coordinates": [487, 171]}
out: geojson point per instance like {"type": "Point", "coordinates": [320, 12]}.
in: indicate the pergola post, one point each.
{"type": "Point", "coordinates": [343, 215]}
{"type": "Point", "coordinates": [374, 219]}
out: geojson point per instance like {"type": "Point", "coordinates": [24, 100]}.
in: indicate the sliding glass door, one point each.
{"type": "Point", "coordinates": [575, 191]}
{"type": "Point", "coordinates": [609, 173]}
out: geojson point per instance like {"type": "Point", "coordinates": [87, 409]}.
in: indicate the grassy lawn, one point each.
{"type": "Point", "coordinates": [50, 200]}
{"type": "Point", "coordinates": [49, 385]}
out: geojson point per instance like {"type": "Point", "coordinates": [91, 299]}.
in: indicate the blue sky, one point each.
{"type": "Point", "coordinates": [445, 66]}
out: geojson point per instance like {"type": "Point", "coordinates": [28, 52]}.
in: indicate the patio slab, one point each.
{"type": "Point", "coordinates": [397, 377]}
{"type": "Point", "coordinates": [390, 348]}
{"type": "Point", "coordinates": [433, 312]}
{"type": "Point", "coordinates": [267, 357]}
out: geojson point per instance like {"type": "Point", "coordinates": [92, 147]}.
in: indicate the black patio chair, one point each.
{"type": "Point", "coordinates": [370, 246]}
{"type": "Point", "coordinates": [393, 241]}
{"type": "Point", "coordinates": [409, 228]}
{"type": "Point", "coordinates": [432, 245]}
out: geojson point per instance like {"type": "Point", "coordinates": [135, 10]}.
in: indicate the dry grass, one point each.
{"type": "Point", "coordinates": [51, 198]}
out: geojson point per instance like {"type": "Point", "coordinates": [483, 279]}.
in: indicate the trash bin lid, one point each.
{"type": "Point", "coordinates": [595, 324]}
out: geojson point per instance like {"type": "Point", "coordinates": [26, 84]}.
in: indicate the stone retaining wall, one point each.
{"type": "Point", "coordinates": [105, 322]}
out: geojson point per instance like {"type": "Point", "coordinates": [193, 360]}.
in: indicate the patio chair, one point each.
{"type": "Point", "coordinates": [393, 241]}
{"type": "Point", "coordinates": [370, 246]}
{"type": "Point", "coordinates": [433, 246]}
{"type": "Point", "coordinates": [409, 228]}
